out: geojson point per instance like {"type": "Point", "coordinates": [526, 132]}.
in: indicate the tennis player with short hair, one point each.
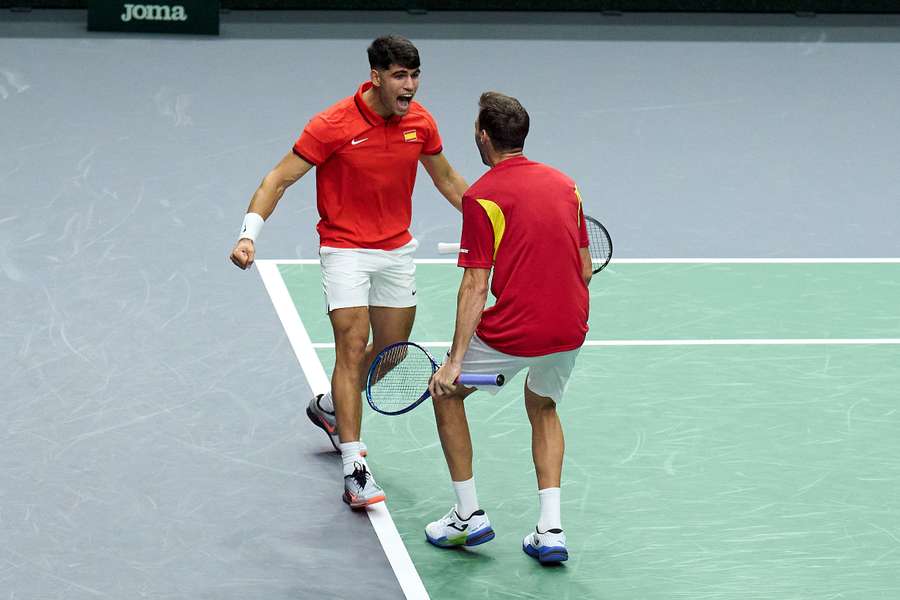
{"type": "Point", "coordinates": [524, 220]}
{"type": "Point", "coordinates": [366, 149]}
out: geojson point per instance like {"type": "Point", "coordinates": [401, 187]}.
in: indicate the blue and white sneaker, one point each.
{"type": "Point", "coordinates": [548, 547]}
{"type": "Point", "coordinates": [452, 530]}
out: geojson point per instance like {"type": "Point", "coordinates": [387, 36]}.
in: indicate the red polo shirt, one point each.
{"type": "Point", "coordinates": [365, 171]}
{"type": "Point", "coordinates": [524, 219]}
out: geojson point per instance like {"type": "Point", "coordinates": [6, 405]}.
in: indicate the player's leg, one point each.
{"type": "Point", "coordinates": [389, 325]}
{"type": "Point", "coordinates": [351, 332]}
{"type": "Point", "coordinates": [547, 440]}
{"type": "Point", "coordinates": [346, 284]}
{"type": "Point", "coordinates": [544, 387]}
{"type": "Point", "coordinates": [466, 523]}
{"type": "Point", "coordinates": [453, 430]}
{"type": "Point", "coordinates": [392, 298]}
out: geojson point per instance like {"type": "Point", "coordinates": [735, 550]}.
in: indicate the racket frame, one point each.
{"type": "Point", "coordinates": [377, 361]}
{"type": "Point", "coordinates": [605, 233]}
{"type": "Point", "coordinates": [464, 379]}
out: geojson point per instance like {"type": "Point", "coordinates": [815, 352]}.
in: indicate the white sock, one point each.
{"type": "Point", "coordinates": [350, 454]}
{"type": "Point", "coordinates": [467, 499]}
{"type": "Point", "coordinates": [326, 403]}
{"type": "Point", "coordinates": [550, 518]}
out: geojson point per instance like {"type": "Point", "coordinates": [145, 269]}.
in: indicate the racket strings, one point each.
{"type": "Point", "coordinates": [401, 377]}
{"type": "Point", "coordinates": [598, 242]}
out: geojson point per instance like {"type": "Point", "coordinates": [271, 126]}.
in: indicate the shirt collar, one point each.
{"type": "Point", "coordinates": [511, 162]}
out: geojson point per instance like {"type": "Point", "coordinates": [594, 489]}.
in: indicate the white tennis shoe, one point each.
{"type": "Point", "coordinates": [452, 530]}
{"type": "Point", "coordinates": [548, 547]}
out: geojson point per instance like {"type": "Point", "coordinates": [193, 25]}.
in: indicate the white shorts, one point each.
{"type": "Point", "coordinates": [363, 277]}
{"type": "Point", "coordinates": [548, 375]}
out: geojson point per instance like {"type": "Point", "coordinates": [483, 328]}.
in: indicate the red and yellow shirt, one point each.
{"type": "Point", "coordinates": [365, 171]}
{"type": "Point", "coordinates": [524, 219]}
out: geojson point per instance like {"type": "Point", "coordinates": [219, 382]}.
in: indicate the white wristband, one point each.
{"type": "Point", "coordinates": [252, 226]}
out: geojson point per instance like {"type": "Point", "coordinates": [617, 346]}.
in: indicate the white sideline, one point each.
{"type": "Point", "coordinates": [304, 349]}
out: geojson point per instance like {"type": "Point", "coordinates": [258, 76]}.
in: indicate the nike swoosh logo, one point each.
{"type": "Point", "coordinates": [463, 528]}
{"type": "Point", "coordinates": [355, 142]}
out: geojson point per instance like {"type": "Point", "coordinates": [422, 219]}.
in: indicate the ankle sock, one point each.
{"type": "Point", "coordinates": [467, 499]}
{"type": "Point", "coordinates": [550, 512]}
{"type": "Point", "coordinates": [350, 455]}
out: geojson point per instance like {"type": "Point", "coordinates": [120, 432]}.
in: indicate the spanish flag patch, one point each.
{"type": "Point", "coordinates": [409, 136]}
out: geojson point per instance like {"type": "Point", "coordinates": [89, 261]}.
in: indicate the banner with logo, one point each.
{"type": "Point", "coordinates": [154, 16]}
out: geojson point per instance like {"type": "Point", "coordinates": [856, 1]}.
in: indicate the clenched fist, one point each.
{"type": "Point", "coordinates": [243, 253]}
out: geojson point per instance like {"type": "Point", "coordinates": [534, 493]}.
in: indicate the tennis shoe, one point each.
{"type": "Point", "coordinates": [326, 420]}
{"type": "Point", "coordinates": [452, 530]}
{"type": "Point", "coordinates": [548, 547]}
{"type": "Point", "coordinates": [360, 489]}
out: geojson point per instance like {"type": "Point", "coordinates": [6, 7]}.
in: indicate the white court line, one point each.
{"type": "Point", "coordinates": [304, 349]}
{"type": "Point", "coordinates": [733, 342]}
{"type": "Point", "coordinates": [663, 261]}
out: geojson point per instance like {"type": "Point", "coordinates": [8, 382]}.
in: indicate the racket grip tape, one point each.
{"type": "Point", "coordinates": [476, 379]}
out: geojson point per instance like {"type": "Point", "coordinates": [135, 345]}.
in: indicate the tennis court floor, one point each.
{"type": "Point", "coordinates": [730, 429]}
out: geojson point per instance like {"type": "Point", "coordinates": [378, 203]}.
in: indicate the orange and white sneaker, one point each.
{"type": "Point", "coordinates": [325, 419]}
{"type": "Point", "coordinates": [360, 489]}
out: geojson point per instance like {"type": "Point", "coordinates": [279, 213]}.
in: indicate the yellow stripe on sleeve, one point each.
{"type": "Point", "coordinates": [578, 195]}
{"type": "Point", "coordinates": [498, 221]}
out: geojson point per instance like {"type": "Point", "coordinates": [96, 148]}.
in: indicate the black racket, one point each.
{"type": "Point", "coordinates": [399, 375]}
{"type": "Point", "coordinates": [599, 243]}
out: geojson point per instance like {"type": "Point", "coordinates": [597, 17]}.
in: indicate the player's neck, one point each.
{"type": "Point", "coordinates": [374, 102]}
{"type": "Point", "coordinates": [496, 159]}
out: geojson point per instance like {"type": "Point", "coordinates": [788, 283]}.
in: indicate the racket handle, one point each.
{"type": "Point", "coordinates": [474, 379]}
{"type": "Point", "coordinates": [447, 248]}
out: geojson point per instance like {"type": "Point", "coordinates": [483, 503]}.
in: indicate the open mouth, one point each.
{"type": "Point", "coordinates": [403, 101]}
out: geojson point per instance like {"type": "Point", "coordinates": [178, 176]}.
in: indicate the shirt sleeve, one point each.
{"type": "Point", "coordinates": [582, 226]}
{"type": "Point", "coordinates": [476, 245]}
{"type": "Point", "coordinates": [313, 145]}
{"type": "Point", "coordinates": [433, 143]}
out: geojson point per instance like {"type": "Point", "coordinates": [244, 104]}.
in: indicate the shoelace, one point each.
{"type": "Point", "coordinates": [453, 517]}
{"type": "Point", "coordinates": [360, 474]}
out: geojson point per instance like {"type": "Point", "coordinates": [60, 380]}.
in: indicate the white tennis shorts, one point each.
{"type": "Point", "coordinates": [363, 277]}
{"type": "Point", "coordinates": [548, 375]}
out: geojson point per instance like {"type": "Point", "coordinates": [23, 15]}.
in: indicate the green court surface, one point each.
{"type": "Point", "coordinates": [738, 471]}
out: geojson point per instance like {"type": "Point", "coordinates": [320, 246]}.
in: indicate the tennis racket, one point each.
{"type": "Point", "coordinates": [599, 243]}
{"type": "Point", "coordinates": [399, 375]}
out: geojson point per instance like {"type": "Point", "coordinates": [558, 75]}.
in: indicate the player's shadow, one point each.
{"type": "Point", "coordinates": [464, 553]}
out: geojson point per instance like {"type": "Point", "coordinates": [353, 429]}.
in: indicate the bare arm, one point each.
{"type": "Point", "coordinates": [470, 302]}
{"type": "Point", "coordinates": [587, 269]}
{"type": "Point", "coordinates": [286, 172]}
{"type": "Point", "coordinates": [448, 182]}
